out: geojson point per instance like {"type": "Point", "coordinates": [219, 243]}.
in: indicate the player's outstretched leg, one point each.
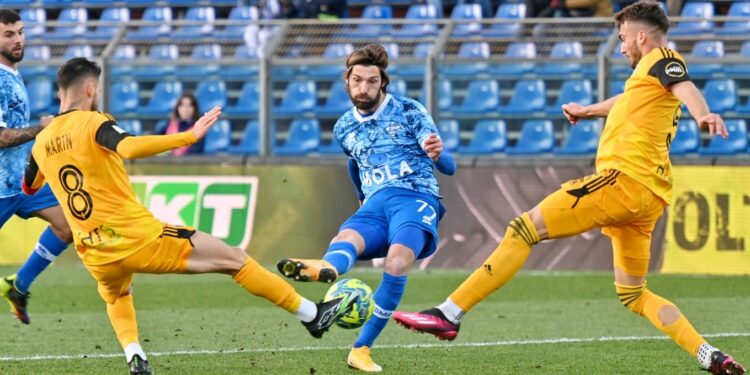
{"type": "Point", "coordinates": [16, 299]}
{"type": "Point", "coordinates": [122, 317]}
{"type": "Point", "coordinates": [339, 259]}
{"type": "Point", "coordinates": [307, 270]}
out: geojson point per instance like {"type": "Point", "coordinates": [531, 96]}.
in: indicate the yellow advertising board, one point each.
{"type": "Point", "coordinates": [708, 224]}
{"type": "Point", "coordinates": [18, 238]}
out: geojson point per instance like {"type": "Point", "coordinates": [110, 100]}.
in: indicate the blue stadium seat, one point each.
{"type": "Point", "coordinates": [444, 92]}
{"type": "Point", "coordinates": [250, 143]}
{"type": "Point", "coordinates": [83, 50]}
{"type": "Point", "coordinates": [124, 97]}
{"type": "Point", "coordinates": [397, 87]}
{"type": "Point", "coordinates": [218, 138]}
{"type": "Point", "coordinates": [72, 24]}
{"type": "Point", "coordinates": [336, 52]}
{"type": "Point", "coordinates": [721, 95]}
{"type": "Point", "coordinates": [204, 15]}
{"type": "Point", "coordinates": [33, 22]}
{"type": "Point", "coordinates": [133, 127]}
{"type": "Point", "coordinates": [163, 98]}
{"type": "Point", "coordinates": [695, 10]}
{"type": "Point", "coordinates": [248, 102]}
{"type": "Point", "coordinates": [577, 91]}
{"type": "Point", "coordinates": [287, 72]}
{"type": "Point", "coordinates": [687, 139]}
{"type": "Point", "coordinates": [331, 148]}
{"type": "Point", "coordinates": [427, 12]}
{"type": "Point", "coordinates": [616, 88]}
{"type": "Point", "coordinates": [372, 29]}
{"type": "Point", "coordinates": [121, 61]}
{"type": "Point", "coordinates": [40, 96]}
{"type": "Point", "coordinates": [537, 137]}
{"type": "Point", "coordinates": [489, 137]}
{"type": "Point", "coordinates": [620, 65]}
{"type": "Point", "coordinates": [421, 51]}
{"type": "Point", "coordinates": [337, 101]}
{"type": "Point", "coordinates": [115, 17]}
{"type": "Point", "coordinates": [240, 17]}
{"type": "Point", "coordinates": [303, 137]}
{"type": "Point", "coordinates": [583, 138]}
{"type": "Point", "coordinates": [736, 143]}
{"type": "Point", "coordinates": [744, 108]}
{"type": "Point", "coordinates": [206, 54]}
{"type": "Point", "coordinates": [507, 12]}
{"type": "Point", "coordinates": [211, 93]}
{"type": "Point", "coordinates": [249, 68]}
{"type": "Point", "coordinates": [742, 68]}
{"type": "Point", "coordinates": [464, 12]}
{"type": "Point", "coordinates": [162, 19]}
{"type": "Point", "coordinates": [529, 96]}
{"type": "Point", "coordinates": [163, 58]}
{"type": "Point", "coordinates": [483, 96]}
{"type": "Point", "coordinates": [450, 134]}
{"type": "Point", "coordinates": [709, 49]}
{"type": "Point", "coordinates": [473, 50]}
{"type": "Point", "coordinates": [563, 50]}
{"type": "Point", "coordinates": [36, 53]}
{"type": "Point", "coordinates": [515, 51]}
{"type": "Point", "coordinates": [741, 26]}
{"type": "Point", "coordinates": [299, 97]}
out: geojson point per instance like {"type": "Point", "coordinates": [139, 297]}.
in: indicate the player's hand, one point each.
{"type": "Point", "coordinates": [45, 120]}
{"type": "Point", "coordinates": [433, 146]}
{"type": "Point", "coordinates": [206, 122]}
{"type": "Point", "coordinates": [573, 112]}
{"type": "Point", "coordinates": [715, 125]}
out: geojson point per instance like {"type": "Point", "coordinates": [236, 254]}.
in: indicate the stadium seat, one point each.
{"type": "Point", "coordinates": [741, 68]}
{"type": "Point", "coordinates": [450, 134]}
{"type": "Point", "coordinates": [115, 17]}
{"type": "Point", "coordinates": [397, 87]}
{"type": "Point", "coordinates": [239, 17]}
{"type": "Point", "coordinates": [515, 51]}
{"type": "Point", "coordinates": [248, 68]}
{"type": "Point", "coordinates": [721, 95]}
{"type": "Point", "coordinates": [741, 10]}
{"type": "Point", "coordinates": [33, 22]}
{"type": "Point", "coordinates": [161, 19]}
{"type": "Point", "coordinates": [204, 16]}
{"type": "Point", "coordinates": [563, 50]}
{"type": "Point", "coordinates": [248, 102]}
{"type": "Point", "coordinates": [163, 98]}
{"type": "Point", "coordinates": [36, 53]}
{"type": "Point", "coordinates": [218, 138]}
{"type": "Point", "coordinates": [83, 50]}
{"type": "Point", "coordinates": [131, 126]}
{"type": "Point", "coordinates": [703, 10]}
{"type": "Point", "coordinates": [336, 53]}
{"type": "Point", "coordinates": [72, 24]}
{"type": "Point", "coordinates": [337, 102]}
{"type": "Point", "coordinates": [537, 137]}
{"type": "Point", "coordinates": [332, 147]}
{"type": "Point", "coordinates": [393, 54]}
{"type": "Point", "coordinates": [421, 51]}
{"type": "Point", "coordinates": [250, 143]}
{"type": "Point", "coordinates": [687, 139]}
{"type": "Point", "coordinates": [211, 93]}
{"type": "Point", "coordinates": [620, 66]}
{"type": "Point", "coordinates": [744, 108]}
{"type": "Point", "coordinates": [299, 97]}
{"type": "Point", "coordinates": [40, 94]}
{"type": "Point", "coordinates": [205, 54]}
{"type": "Point", "coordinates": [161, 127]}
{"type": "Point", "coordinates": [511, 13]}
{"type": "Point", "coordinates": [303, 137]}
{"type": "Point", "coordinates": [372, 29]}
{"type": "Point", "coordinates": [489, 137]}
{"type": "Point", "coordinates": [616, 88]}
{"type": "Point", "coordinates": [425, 12]}
{"type": "Point", "coordinates": [736, 143]}
{"type": "Point", "coordinates": [18, 3]}
{"type": "Point", "coordinates": [163, 58]}
{"type": "Point", "coordinates": [577, 91]}
{"type": "Point", "coordinates": [529, 96]}
{"type": "Point", "coordinates": [124, 97]}
{"type": "Point", "coordinates": [706, 49]}
{"type": "Point", "coordinates": [287, 72]}
{"type": "Point", "coordinates": [474, 51]}
{"type": "Point", "coordinates": [444, 92]}
{"type": "Point", "coordinates": [121, 61]}
{"type": "Point", "coordinates": [465, 12]}
{"type": "Point", "coordinates": [483, 96]}
{"type": "Point", "coordinates": [583, 138]}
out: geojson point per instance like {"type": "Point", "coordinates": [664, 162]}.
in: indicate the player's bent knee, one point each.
{"type": "Point", "coordinates": [62, 232]}
{"type": "Point", "coordinates": [631, 296]}
{"type": "Point", "coordinates": [669, 314]}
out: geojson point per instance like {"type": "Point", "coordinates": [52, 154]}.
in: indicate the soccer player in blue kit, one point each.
{"type": "Point", "coordinates": [15, 147]}
{"type": "Point", "coordinates": [393, 146]}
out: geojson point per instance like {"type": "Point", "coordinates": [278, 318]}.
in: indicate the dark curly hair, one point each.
{"type": "Point", "coordinates": [645, 11]}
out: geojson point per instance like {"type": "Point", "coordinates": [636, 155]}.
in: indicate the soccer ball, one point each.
{"type": "Point", "coordinates": [362, 310]}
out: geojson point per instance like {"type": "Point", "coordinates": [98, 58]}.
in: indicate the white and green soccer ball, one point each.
{"type": "Point", "coordinates": [362, 310]}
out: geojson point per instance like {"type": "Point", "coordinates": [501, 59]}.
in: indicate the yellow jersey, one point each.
{"type": "Point", "coordinates": [76, 154]}
{"type": "Point", "coordinates": [643, 121]}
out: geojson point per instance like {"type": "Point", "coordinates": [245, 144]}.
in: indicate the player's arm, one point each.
{"type": "Point", "coordinates": [696, 104]}
{"type": "Point", "coordinates": [33, 179]}
{"type": "Point", "coordinates": [14, 137]}
{"type": "Point", "coordinates": [356, 181]}
{"type": "Point", "coordinates": [574, 111]}
{"type": "Point", "coordinates": [428, 137]}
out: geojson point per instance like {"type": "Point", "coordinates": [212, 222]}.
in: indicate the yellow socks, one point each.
{"type": "Point", "coordinates": [262, 283]}
{"type": "Point", "coordinates": [122, 316]}
{"type": "Point", "coordinates": [500, 267]}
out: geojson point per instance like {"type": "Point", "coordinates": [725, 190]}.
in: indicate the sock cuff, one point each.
{"type": "Point", "coordinates": [249, 266]}
{"type": "Point", "coordinates": [524, 228]}
{"type": "Point", "coordinates": [343, 245]}
{"type": "Point", "coordinates": [530, 227]}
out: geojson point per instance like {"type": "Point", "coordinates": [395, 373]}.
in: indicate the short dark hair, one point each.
{"type": "Point", "coordinates": [646, 11]}
{"type": "Point", "coordinates": [9, 16]}
{"type": "Point", "coordinates": [371, 54]}
{"type": "Point", "coordinates": [75, 70]}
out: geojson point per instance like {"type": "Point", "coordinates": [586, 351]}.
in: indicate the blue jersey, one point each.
{"type": "Point", "coordinates": [387, 146]}
{"type": "Point", "coordinates": [14, 114]}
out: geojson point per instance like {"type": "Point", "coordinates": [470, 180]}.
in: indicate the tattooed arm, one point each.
{"type": "Point", "coordinates": [14, 137]}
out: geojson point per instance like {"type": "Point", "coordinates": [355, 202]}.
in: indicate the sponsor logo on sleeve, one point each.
{"type": "Point", "coordinates": [674, 69]}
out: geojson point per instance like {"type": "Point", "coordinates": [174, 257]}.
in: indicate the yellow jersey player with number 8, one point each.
{"type": "Point", "coordinates": [80, 154]}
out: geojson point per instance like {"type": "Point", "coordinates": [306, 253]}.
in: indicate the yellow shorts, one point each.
{"type": "Point", "coordinates": [625, 209]}
{"type": "Point", "coordinates": [167, 254]}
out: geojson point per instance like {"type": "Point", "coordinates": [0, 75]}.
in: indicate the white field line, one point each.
{"type": "Point", "coordinates": [560, 340]}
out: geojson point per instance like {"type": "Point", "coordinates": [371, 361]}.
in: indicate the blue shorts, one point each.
{"type": "Point", "coordinates": [390, 209]}
{"type": "Point", "coordinates": [25, 205]}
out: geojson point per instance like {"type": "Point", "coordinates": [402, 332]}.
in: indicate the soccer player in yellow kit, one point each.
{"type": "Point", "coordinates": [80, 154]}
{"type": "Point", "coordinates": [625, 197]}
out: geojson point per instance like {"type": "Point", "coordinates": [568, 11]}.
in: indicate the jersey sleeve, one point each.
{"type": "Point", "coordinates": [421, 122]}
{"type": "Point", "coordinates": [669, 69]}
{"type": "Point", "coordinates": [3, 106]}
{"type": "Point", "coordinates": [33, 179]}
{"type": "Point", "coordinates": [109, 135]}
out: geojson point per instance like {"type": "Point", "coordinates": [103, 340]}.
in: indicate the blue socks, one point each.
{"type": "Point", "coordinates": [342, 256]}
{"type": "Point", "coordinates": [386, 299]}
{"type": "Point", "coordinates": [46, 250]}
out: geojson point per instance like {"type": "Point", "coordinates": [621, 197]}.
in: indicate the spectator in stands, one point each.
{"type": "Point", "coordinates": [568, 8]}
{"type": "Point", "coordinates": [184, 115]}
